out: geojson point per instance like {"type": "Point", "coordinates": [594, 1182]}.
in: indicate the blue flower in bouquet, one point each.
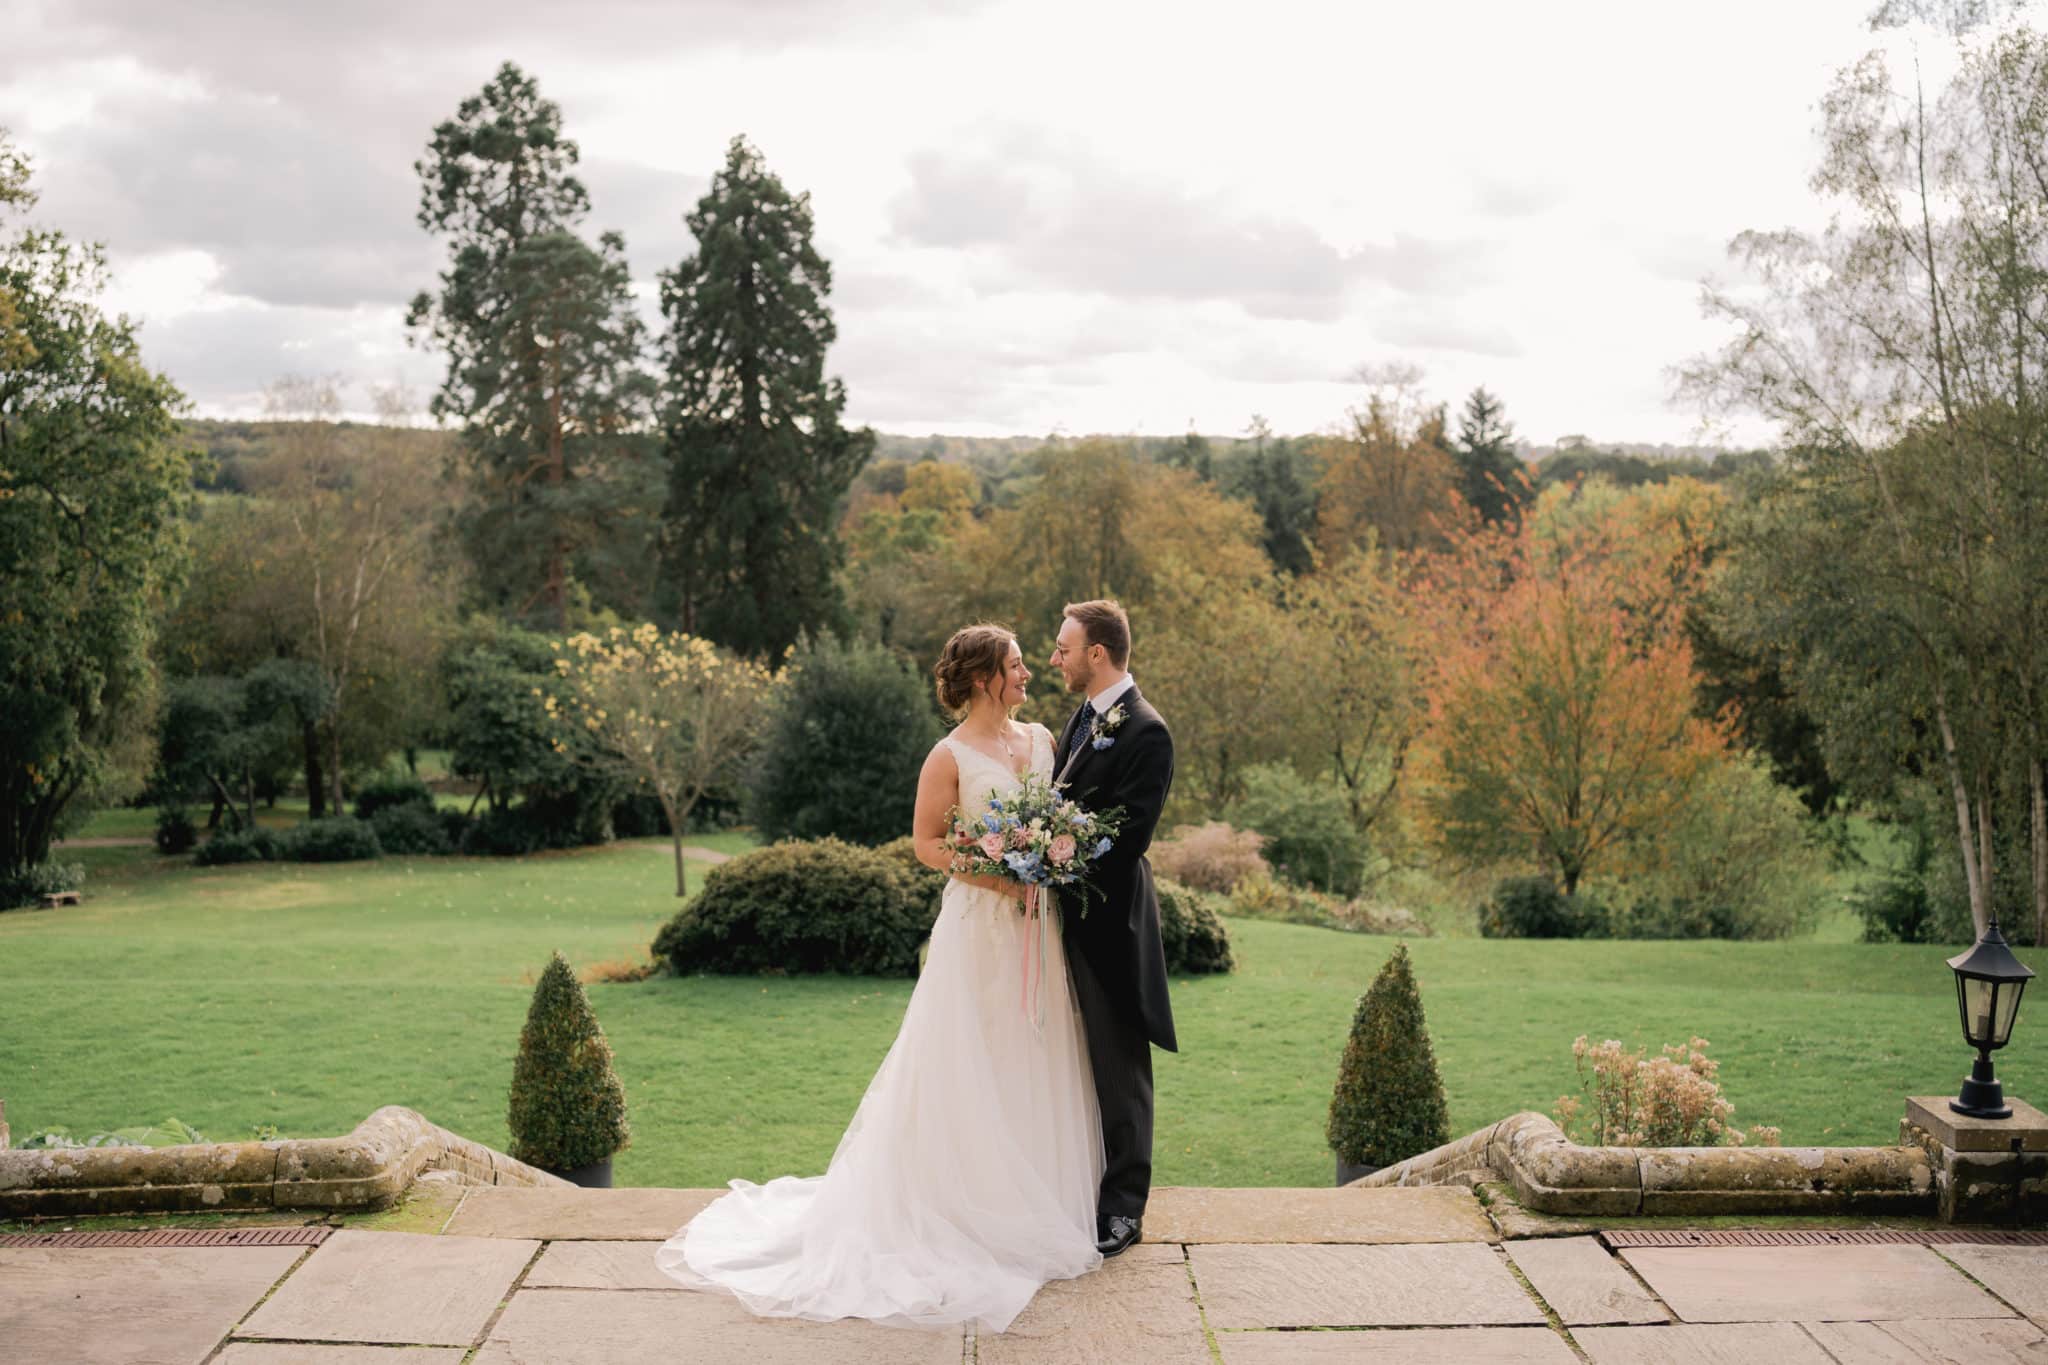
{"type": "Point", "coordinates": [1028, 866]}
{"type": "Point", "coordinates": [1101, 848]}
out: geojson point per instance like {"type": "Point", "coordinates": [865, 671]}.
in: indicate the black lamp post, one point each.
{"type": "Point", "coordinates": [1989, 982]}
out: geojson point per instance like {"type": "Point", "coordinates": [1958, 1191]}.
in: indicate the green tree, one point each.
{"type": "Point", "coordinates": [1899, 354]}
{"type": "Point", "coordinates": [1286, 503]}
{"type": "Point", "coordinates": [355, 523]}
{"type": "Point", "coordinates": [543, 346]}
{"type": "Point", "coordinates": [1192, 453]}
{"type": "Point", "coordinates": [94, 486]}
{"type": "Point", "coordinates": [843, 749]}
{"type": "Point", "coordinates": [1491, 476]}
{"type": "Point", "coordinates": [759, 462]}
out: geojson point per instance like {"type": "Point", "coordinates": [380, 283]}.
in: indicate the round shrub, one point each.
{"type": "Point", "coordinates": [387, 791]}
{"type": "Point", "coordinates": [411, 829]}
{"type": "Point", "coordinates": [258, 845]}
{"type": "Point", "coordinates": [1389, 1102]}
{"type": "Point", "coordinates": [175, 832]}
{"type": "Point", "coordinates": [567, 1109]}
{"type": "Point", "coordinates": [903, 852]}
{"type": "Point", "coordinates": [1209, 857]}
{"type": "Point", "coordinates": [1309, 837]}
{"type": "Point", "coordinates": [843, 750]}
{"type": "Point", "coordinates": [337, 839]}
{"type": "Point", "coordinates": [1533, 907]}
{"type": "Point", "coordinates": [797, 907]}
{"type": "Point", "coordinates": [1192, 933]}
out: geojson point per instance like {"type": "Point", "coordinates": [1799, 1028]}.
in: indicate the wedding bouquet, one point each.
{"type": "Point", "coordinates": [1040, 837]}
{"type": "Point", "coordinates": [1036, 835]}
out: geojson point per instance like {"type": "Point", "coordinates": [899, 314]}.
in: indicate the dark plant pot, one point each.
{"type": "Point", "coordinates": [596, 1176]}
{"type": "Point", "coordinates": [1346, 1172]}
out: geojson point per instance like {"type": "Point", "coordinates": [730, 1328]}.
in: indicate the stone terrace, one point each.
{"type": "Point", "coordinates": [1245, 1277]}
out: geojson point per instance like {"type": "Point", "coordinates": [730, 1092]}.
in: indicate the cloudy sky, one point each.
{"type": "Point", "coordinates": [1042, 214]}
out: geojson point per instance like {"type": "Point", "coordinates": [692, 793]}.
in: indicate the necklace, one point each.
{"type": "Point", "coordinates": [1002, 737]}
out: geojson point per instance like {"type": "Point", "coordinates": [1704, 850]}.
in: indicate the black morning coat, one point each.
{"type": "Point", "coordinates": [1119, 933]}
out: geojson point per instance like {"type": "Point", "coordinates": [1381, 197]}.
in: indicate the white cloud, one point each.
{"type": "Point", "coordinates": [1040, 213]}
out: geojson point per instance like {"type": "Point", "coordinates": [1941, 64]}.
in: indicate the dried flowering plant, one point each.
{"type": "Point", "coordinates": [1670, 1100]}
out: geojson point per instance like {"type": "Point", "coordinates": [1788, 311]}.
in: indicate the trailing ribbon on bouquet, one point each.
{"type": "Point", "coordinates": [1032, 997]}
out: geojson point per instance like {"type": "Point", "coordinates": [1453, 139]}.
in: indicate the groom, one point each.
{"type": "Point", "coordinates": [1116, 752]}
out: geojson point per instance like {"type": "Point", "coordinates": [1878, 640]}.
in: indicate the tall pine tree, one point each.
{"type": "Point", "coordinates": [1491, 476]}
{"type": "Point", "coordinates": [542, 342]}
{"type": "Point", "coordinates": [759, 463]}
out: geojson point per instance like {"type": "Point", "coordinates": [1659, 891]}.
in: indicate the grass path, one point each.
{"type": "Point", "coordinates": [305, 996]}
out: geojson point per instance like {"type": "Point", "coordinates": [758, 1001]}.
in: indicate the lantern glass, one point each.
{"type": "Point", "coordinates": [1989, 1008]}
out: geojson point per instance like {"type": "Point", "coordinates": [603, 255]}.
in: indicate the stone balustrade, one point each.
{"type": "Point", "coordinates": [368, 1168]}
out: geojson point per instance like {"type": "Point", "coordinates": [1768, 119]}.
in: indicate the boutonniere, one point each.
{"type": "Point", "coordinates": [1102, 733]}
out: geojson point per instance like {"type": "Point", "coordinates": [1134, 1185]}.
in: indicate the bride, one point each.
{"type": "Point", "coordinates": [968, 1176]}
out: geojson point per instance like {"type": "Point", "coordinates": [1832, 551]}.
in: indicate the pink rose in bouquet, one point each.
{"type": "Point", "coordinates": [992, 845]}
{"type": "Point", "coordinates": [1062, 850]}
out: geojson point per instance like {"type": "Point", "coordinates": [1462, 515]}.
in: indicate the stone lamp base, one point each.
{"type": "Point", "coordinates": [1985, 1170]}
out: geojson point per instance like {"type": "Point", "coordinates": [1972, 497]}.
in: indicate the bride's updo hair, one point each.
{"type": "Point", "coordinates": [974, 655]}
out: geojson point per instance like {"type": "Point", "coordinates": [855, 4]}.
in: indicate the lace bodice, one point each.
{"type": "Point", "coordinates": [982, 774]}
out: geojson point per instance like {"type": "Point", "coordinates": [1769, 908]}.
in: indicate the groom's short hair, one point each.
{"type": "Point", "coordinates": [1104, 623]}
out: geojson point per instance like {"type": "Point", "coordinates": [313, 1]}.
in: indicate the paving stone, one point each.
{"type": "Point", "coordinates": [1735, 1343]}
{"type": "Point", "coordinates": [628, 1327]}
{"type": "Point", "coordinates": [303, 1353]}
{"type": "Point", "coordinates": [1969, 1341]}
{"type": "Point", "coordinates": [1461, 1284]}
{"type": "Point", "coordinates": [1811, 1283]}
{"type": "Point", "coordinates": [558, 1215]}
{"type": "Point", "coordinates": [599, 1265]}
{"type": "Point", "coordinates": [138, 1305]}
{"type": "Point", "coordinates": [1408, 1345]}
{"type": "Point", "coordinates": [1134, 1308]}
{"type": "Point", "coordinates": [407, 1288]}
{"type": "Point", "coordinates": [2019, 1275]}
{"type": "Point", "coordinates": [1583, 1284]}
{"type": "Point", "coordinates": [1431, 1213]}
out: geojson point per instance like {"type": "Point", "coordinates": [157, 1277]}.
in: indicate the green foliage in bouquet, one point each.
{"type": "Point", "coordinates": [800, 907]}
{"type": "Point", "coordinates": [1389, 1103]}
{"type": "Point", "coordinates": [567, 1108]}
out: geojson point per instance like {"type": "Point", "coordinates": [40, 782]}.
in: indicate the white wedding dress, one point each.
{"type": "Point", "coordinates": [968, 1176]}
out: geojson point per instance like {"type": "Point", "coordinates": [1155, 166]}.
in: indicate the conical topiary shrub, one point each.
{"type": "Point", "coordinates": [1389, 1103]}
{"type": "Point", "coordinates": [568, 1110]}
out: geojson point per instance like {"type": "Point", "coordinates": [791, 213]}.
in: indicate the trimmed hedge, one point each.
{"type": "Point", "coordinates": [258, 845]}
{"type": "Point", "coordinates": [1533, 907]}
{"type": "Point", "coordinates": [413, 829]}
{"type": "Point", "coordinates": [803, 908]}
{"type": "Point", "coordinates": [337, 839]}
{"type": "Point", "coordinates": [1193, 934]}
{"type": "Point", "coordinates": [175, 832]}
{"type": "Point", "coordinates": [389, 791]}
{"type": "Point", "coordinates": [567, 1108]}
{"type": "Point", "coordinates": [1389, 1101]}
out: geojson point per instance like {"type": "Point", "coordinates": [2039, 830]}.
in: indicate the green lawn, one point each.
{"type": "Point", "coordinates": [305, 996]}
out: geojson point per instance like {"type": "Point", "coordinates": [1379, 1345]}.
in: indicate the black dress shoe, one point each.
{"type": "Point", "coordinates": [1118, 1233]}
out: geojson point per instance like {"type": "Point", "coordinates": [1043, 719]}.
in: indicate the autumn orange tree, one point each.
{"type": "Point", "coordinates": [1562, 723]}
